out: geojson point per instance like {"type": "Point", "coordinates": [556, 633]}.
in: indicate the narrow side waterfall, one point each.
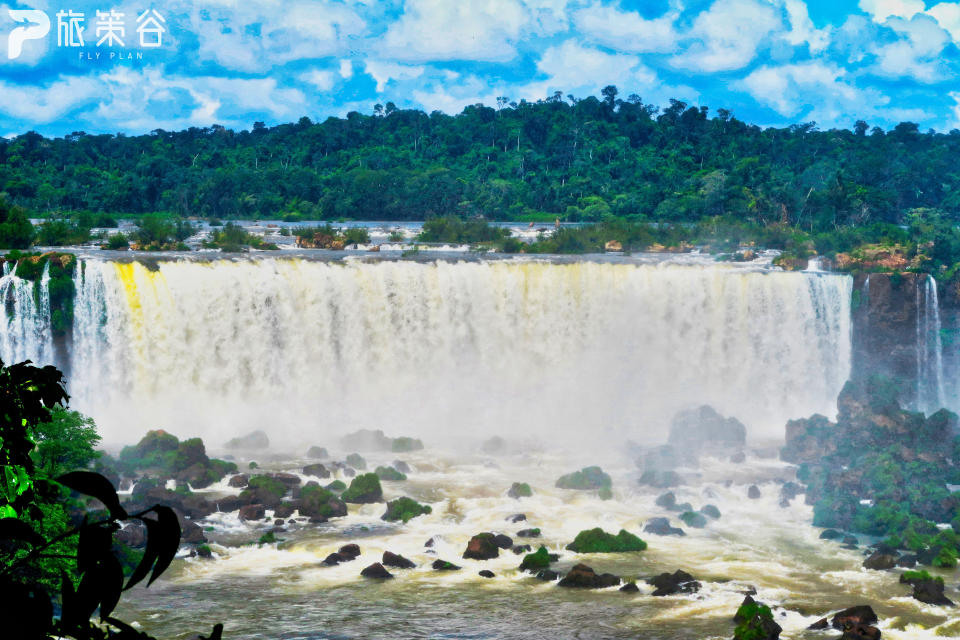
{"type": "Point", "coordinates": [304, 349]}
{"type": "Point", "coordinates": [930, 386]}
{"type": "Point", "coordinates": [25, 332]}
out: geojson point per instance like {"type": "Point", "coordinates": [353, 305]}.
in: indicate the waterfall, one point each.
{"type": "Point", "coordinates": [930, 386]}
{"type": "Point", "coordinates": [25, 322]}
{"type": "Point", "coordinates": [307, 348]}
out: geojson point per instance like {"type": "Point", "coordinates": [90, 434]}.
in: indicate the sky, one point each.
{"type": "Point", "coordinates": [173, 65]}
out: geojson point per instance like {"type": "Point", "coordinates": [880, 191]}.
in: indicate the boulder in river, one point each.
{"type": "Point", "coordinates": [364, 489]}
{"type": "Point", "coordinates": [880, 561]}
{"type": "Point", "coordinates": [667, 500]}
{"type": "Point", "coordinates": [520, 490]}
{"type": "Point", "coordinates": [494, 446]}
{"type": "Point", "coordinates": [548, 575]}
{"type": "Point", "coordinates": [660, 479]}
{"type": "Point", "coordinates": [710, 510]}
{"type": "Point", "coordinates": [376, 571]}
{"type": "Point", "coordinates": [366, 440]}
{"type": "Point", "coordinates": [486, 573]}
{"type": "Point", "coordinates": [860, 615]}
{"type": "Point", "coordinates": [443, 565]}
{"type": "Point", "coordinates": [318, 470]}
{"type": "Point", "coordinates": [583, 577]}
{"type": "Point", "coordinates": [599, 541]}
{"type": "Point", "coordinates": [503, 541]}
{"type": "Point", "coordinates": [755, 622]}
{"type": "Point", "coordinates": [587, 479]}
{"type": "Point", "coordinates": [529, 533]}
{"type": "Point", "coordinates": [351, 550]}
{"type": "Point", "coordinates": [670, 583]}
{"type": "Point", "coordinates": [753, 492]}
{"type": "Point", "coordinates": [319, 453]}
{"type": "Point", "coordinates": [703, 430]}
{"type": "Point", "coordinates": [389, 474]}
{"type": "Point", "coordinates": [662, 527]}
{"type": "Point", "coordinates": [926, 588]}
{"type": "Point", "coordinates": [537, 561]}
{"type": "Point", "coordinates": [239, 481]}
{"type": "Point", "coordinates": [401, 466]}
{"type": "Point", "coordinates": [356, 461]}
{"type": "Point", "coordinates": [630, 587]}
{"type": "Point", "coordinates": [694, 519]}
{"type": "Point", "coordinates": [253, 512]}
{"type": "Point", "coordinates": [517, 517]}
{"type": "Point", "coordinates": [405, 509]}
{"type": "Point", "coordinates": [482, 546]}
{"type": "Point", "coordinates": [395, 560]}
{"type": "Point", "coordinates": [253, 441]}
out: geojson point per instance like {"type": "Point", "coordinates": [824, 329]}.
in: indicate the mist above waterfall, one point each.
{"type": "Point", "coordinates": [578, 352]}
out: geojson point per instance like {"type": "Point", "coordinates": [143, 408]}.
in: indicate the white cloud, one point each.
{"type": "Point", "coordinates": [883, 9]}
{"type": "Point", "coordinates": [917, 53]}
{"type": "Point", "coordinates": [433, 30]}
{"type": "Point", "coordinates": [802, 29]}
{"type": "Point", "coordinates": [627, 31]}
{"type": "Point", "coordinates": [813, 89]}
{"type": "Point", "coordinates": [321, 79]}
{"type": "Point", "coordinates": [383, 72]}
{"type": "Point", "coordinates": [346, 69]}
{"type": "Point", "coordinates": [46, 104]}
{"type": "Point", "coordinates": [948, 15]}
{"type": "Point", "coordinates": [257, 36]}
{"type": "Point", "coordinates": [727, 35]}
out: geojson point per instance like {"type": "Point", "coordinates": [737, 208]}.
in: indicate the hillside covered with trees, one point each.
{"type": "Point", "coordinates": [589, 159]}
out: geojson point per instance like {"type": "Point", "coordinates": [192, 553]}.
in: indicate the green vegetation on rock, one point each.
{"type": "Point", "coordinates": [520, 490]}
{"type": "Point", "coordinates": [365, 488]}
{"type": "Point", "coordinates": [538, 560]}
{"type": "Point", "coordinates": [405, 509]}
{"type": "Point", "coordinates": [336, 485]}
{"type": "Point", "coordinates": [356, 461]}
{"type": "Point", "coordinates": [404, 444]}
{"type": "Point", "coordinates": [390, 474]}
{"type": "Point", "coordinates": [598, 541]}
{"type": "Point", "coordinates": [881, 470]}
{"type": "Point", "coordinates": [587, 479]}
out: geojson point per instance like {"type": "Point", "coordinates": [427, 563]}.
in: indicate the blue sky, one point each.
{"type": "Point", "coordinates": [233, 62]}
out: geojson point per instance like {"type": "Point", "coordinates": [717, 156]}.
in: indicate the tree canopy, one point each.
{"type": "Point", "coordinates": [588, 159]}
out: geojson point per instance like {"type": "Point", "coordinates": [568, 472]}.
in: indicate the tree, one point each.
{"type": "Point", "coordinates": [91, 578]}
{"type": "Point", "coordinates": [16, 232]}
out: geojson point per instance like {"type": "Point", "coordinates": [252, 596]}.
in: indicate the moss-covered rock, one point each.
{"type": "Point", "coordinates": [318, 503]}
{"type": "Point", "coordinates": [694, 519]}
{"type": "Point", "coordinates": [520, 490]}
{"type": "Point", "coordinates": [537, 561]}
{"type": "Point", "coordinates": [404, 509]}
{"type": "Point", "coordinates": [336, 485]}
{"type": "Point", "coordinates": [755, 622]}
{"type": "Point", "coordinates": [587, 479]}
{"type": "Point", "coordinates": [357, 461]}
{"type": "Point", "coordinates": [598, 541]}
{"type": "Point", "coordinates": [390, 474]}
{"type": "Point", "coordinates": [404, 444]}
{"type": "Point", "coordinates": [253, 441]}
{"type": "Point", "coordinates": [482, 546]}
{"type": "Point", "coordinates": [364, 489]}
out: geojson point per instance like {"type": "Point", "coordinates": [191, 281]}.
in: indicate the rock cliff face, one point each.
{"type": "Point", "coordinates": [898, 323]}
{"type": "Point", "coordinates": [885, 325]}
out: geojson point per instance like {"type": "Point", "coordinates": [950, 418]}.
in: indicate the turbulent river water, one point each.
{"type": "Point", "coordinates": [573, 363]}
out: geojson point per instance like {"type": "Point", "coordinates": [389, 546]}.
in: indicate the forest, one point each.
{"type": "Point", "coordinates": [591, 160]}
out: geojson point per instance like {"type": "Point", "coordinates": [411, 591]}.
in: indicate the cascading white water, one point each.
{"type": "Point", "coordinates": [930, 387]}
{"type": "Point", "coordinates": [309, 349]}
{"type": "Point", "coordinates": [25, 332]}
